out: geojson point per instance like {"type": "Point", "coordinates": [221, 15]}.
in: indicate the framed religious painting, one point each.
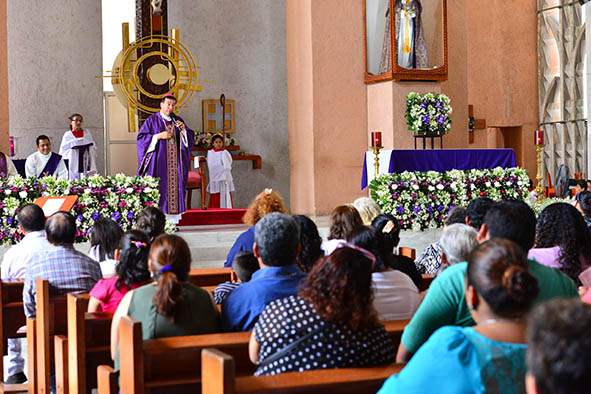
{"type": "Point", "coordinates": [405, 40]}
{"type": "Point", "coordinates": [214, 115]}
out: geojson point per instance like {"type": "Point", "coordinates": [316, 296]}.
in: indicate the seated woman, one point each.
{"type": "Point", "coordinates": [151, 221]}
{"type": "Point", "coordinates": [263, 204]}
{"type": "Point", "coordinates": [396, 297]}
{"type": "Point", "coordinates": [329, 324]}
{"type": "Point", "coordinates": [562, 240]}
{"type": "Point", "coordinates": [388, 226]}
{"type": "Point", "coordinates": [132, 272]}
{"type": "Point", "coordinates": [170, 306]}
{"type": "Point", "coordinates": [344, 220]}
{"type": "Point", "coordinates": [457, 242]}
{"type": "Point", "coordinates": [490, 356]}
{"type": "Point", "coordinates": [104, 239]}
{"type": "Point", "coordinates": [310, 243]}
{"type": "Point", "coordinates": [368, 209]}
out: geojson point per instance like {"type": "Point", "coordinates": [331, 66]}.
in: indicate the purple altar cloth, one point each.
{"type": "Point", "coordinates": [442, 160]}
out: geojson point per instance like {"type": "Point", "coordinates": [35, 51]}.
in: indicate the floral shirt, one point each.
{"type": "Point", "coordinates": [429, 261]}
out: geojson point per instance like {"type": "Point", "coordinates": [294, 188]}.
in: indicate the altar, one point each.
{"type": "Point", "coordinates": [440, 160]}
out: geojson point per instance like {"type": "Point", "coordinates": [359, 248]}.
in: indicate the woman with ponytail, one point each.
{"type": "Point", "coordinates": [170, 306]}
{"type": "Point", "coordinates": [490, 356]}
{"type": "Point", "coordinates": [131, 272]}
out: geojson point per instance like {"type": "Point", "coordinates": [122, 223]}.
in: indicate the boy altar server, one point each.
{"type": "Point", "coordinates": [44, 162]}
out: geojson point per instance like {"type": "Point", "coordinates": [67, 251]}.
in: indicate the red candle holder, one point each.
{"type": "Point", "coordinates": [539, 137]}
{"type": "Point", "coordinates": [376, 139]}
{"type": "Point", "coordinates": [11, 138]}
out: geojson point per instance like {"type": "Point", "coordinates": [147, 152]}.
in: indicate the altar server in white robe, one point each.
{"type": "Point", "coordinates": [44, 162]}
{"type": "Point", "coordinates": [221, 183]}
{"type": "Point", "coordinates": [7, 167]}
{"type": "Point", "coordinates": [79, 149]}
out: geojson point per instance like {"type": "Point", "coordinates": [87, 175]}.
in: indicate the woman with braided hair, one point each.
{"type": "Point", "coordinates": [490, 356]}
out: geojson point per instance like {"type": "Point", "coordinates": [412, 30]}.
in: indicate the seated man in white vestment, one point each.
{"type": "Point", "coordinates": [44, 162]}
{"type": "Point", "coordinates": [7, 167]}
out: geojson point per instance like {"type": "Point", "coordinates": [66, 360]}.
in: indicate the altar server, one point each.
{"type": "Point", "coordinates": [221, 183]}
{"type": "Point", "coordinates": [164, 146]}
{"type": "Point", "coordinates": [44, 162]}
{"type": "Point", "coordinates": [79, 149]}
{"type": "Point", "coordinates": [7, 167]}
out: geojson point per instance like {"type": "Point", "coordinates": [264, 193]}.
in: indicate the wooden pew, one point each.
{"type": "Point", "coordinates": [427, 279]}
{"type": "Point", "coordinates": [49, 323]}
{"type": "Point", "coordinates": [217, 371]}
{"type": "Point", "coordinates": [86, 347]}
{"type": "Point", "coordinates": [411, 253]}
{"type": "Point", "coordinates": [210, 276]}
{"type": "Point", "coordinates": [164, 364]}
{"type": "Point", "coordinates": [12, 317]}
{"type": "Point", "coordinates": [156, 365]}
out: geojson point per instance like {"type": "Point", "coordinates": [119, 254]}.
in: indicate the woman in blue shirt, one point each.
{"type": "Point", "coordinates": [490, 356]}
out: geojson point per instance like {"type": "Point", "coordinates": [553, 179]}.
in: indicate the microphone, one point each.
{"type": "Point", "coordinates": [174, 120]}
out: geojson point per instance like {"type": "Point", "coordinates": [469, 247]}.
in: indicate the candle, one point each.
{"type": "Point", "coordinates": [376, 139]}
{"type": "Point", "coordinates": [539, 137]}
{"type": "Point", "coordinates": [11, 145]}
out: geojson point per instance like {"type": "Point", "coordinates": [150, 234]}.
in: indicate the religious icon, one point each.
{"type": "Point", "coordinates": [411, 50]}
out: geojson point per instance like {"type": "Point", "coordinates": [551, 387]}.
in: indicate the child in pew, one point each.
{"type": "Point", "coordinates": [244, 264]}
{"type": "Point", "coordinates": [131, 272]}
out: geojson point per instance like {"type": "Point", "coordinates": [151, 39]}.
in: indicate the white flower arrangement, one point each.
{"type": "Point", "coordinates": [428, 113]}
{"type": "Point", "coordinates": [118, 197]}
{"type": "Point", "coordinates": [422, 200]}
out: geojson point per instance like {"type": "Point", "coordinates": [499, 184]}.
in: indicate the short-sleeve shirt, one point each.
{"type": "Point", "coordinates": [445, 305]}
{"type": "Point", "coordinates": [462, 360]}
{"type": "Point", "coordinates": [243, 242]}
{"type": "Point", "coordinates": [106, 292]}
{"type": "Point", "coordinates": [336, 345]}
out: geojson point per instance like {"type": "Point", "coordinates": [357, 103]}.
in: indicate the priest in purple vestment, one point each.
{"type": "Point", "coordinates": [164, 146]}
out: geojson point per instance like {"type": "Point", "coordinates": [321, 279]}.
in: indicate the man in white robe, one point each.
{"type": "Point", "coordinates": [79, 148]}
{"type": "Point", "coordinates": [7, 167]}
{"type": "Point", "coordinates": [44, 162]}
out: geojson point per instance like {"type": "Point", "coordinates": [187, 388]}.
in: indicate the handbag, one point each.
{"type": "Point", "coordinates": [286, 349]}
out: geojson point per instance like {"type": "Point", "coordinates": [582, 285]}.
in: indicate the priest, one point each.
{"type": "Point", "coordinates": [44, 162]}
{"type": "Point", "coordinates": [79, 149]}
{"type": "Point", "coordinates": [164, 146]}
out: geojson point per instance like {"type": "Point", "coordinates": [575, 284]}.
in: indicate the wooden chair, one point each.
{"type": "Point", "coordinates": [408, 252]}
{"type": "Point", "coordinates": [210, 276]}
{"type": "Point", "coordinates": [217, 371]}
{"type": "Point", "coordinates": [12, 318]}
{"type": "Point", "coordinates": [50, 323]}
{"type": "Point", "coordinates": [549, 191]}
{"type": "Point", "coordinates": [168, 364]}
{"type": "Point", "coordinates": [197, 180]}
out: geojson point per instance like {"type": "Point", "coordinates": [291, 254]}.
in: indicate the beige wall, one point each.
{"type": "Point", "coordinates": [327, 103]}
{"type": "Point", "coordinates": [4, 125]}
{"type": "Point", "coordinates": [502, 75]}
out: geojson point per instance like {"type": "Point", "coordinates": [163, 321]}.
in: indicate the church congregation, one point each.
{"type": "Point", "coordinates": [338, 245]}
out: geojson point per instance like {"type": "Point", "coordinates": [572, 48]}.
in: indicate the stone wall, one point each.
{"type": "Point", "coordinates": [54, 55]}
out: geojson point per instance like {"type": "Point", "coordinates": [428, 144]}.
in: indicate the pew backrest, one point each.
{"type": "Point", "coordinates": [12, 315]}
{"type": "Point", "coordinates": [218, 377]}
{"type": "Point", "coordinates": [210, 276]}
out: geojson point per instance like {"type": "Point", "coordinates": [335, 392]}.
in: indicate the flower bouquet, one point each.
{"type": "Point", "coordinates": [203, 140]}
{"type": "Point", "coordinates": [428, 113]}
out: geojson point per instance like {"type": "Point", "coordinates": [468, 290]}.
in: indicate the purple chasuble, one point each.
{"type": "Point", "coordinates": [3, 166]}
{"type": "Point", "coordinates": [51, 165]}
{"type": "Point", "coordinates": [169, 161]}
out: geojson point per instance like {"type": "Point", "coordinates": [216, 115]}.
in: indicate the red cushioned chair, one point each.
{"type": "Point", "coordinates": [197, 180]}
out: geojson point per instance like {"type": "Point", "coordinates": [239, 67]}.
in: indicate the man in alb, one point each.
{"type": "Point", "coordinates": [164, 151]}
{"type": "Point", "coordinates": [79, 149]}
{"type": "Point", "coordinates": [44, 162]}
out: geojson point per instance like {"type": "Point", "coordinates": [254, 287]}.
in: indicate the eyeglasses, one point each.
{"type": "Point", "coordinates": [77, 120]}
